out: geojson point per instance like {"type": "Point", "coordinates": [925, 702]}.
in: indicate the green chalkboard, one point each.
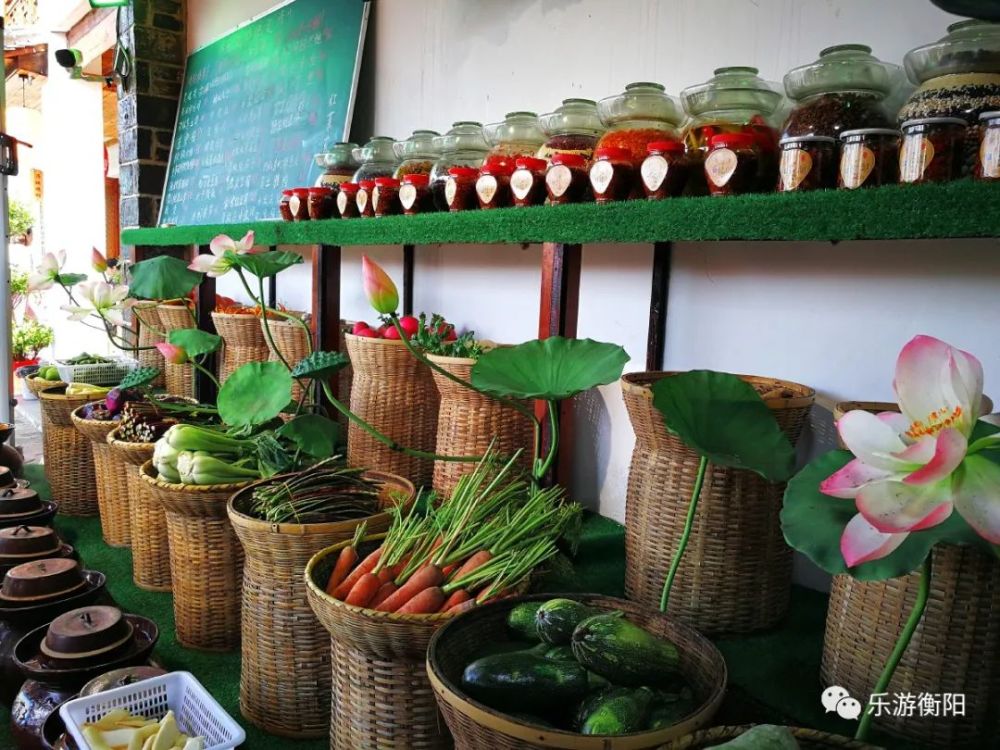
{"type": "Point", "coordinates": [256, 106]}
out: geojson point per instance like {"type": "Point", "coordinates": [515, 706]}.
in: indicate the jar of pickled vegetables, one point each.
{"type": "Point", "coordinates": [417, 153]}
{"type": "Point", "coordinates": [462, 146]}
{"type": "Point", "coordinates": [869, 157]}
{"type": "Point", "coordinates": [572, 129]}
{"type": "Point", "coordinates": [338, 164]}
{"type": "Point", "coordinates": [845, 89]}
{"type": "Point", "coordinates": [518, 135]}
{"type": "Point", "coordinates": [347, 200]}
{"type": "Point", "coordinates": [932, 149]}
{"type": "Point", "coordinates": [732, 166]}
{"type": "Point", "coordinates": [641, 114]}
{"type": "Point", "coordinates": [377, 159]}
{"type": "Point", "coordinates": [988, 167]}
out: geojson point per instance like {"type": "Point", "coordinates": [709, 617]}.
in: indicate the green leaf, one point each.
{"type": "Point", "coordinates": [254, 394]}
{"type": "Point", "coordinates": [70, 279]}
{"type": "Point", "coordinates": [194, 341]}
{"type": "Point", "coordinates": [272, 457]}
{"type": "Point", "coordinates": [266, 264]}
{"type": "Point", "coordinates": [813, 524]}
{"type": "Point", "coordinates": [721, 417]}
{"type": "Point", "coordinates": [314, 435]}
{"type": "Point", "coordinates": [139, 377]}
{"type": "Point", "coordinates": [550, 369]}
{"type": "Point", "coordinates": [321, 365]}
{"type": "Point", "coordinates": [163, 277]}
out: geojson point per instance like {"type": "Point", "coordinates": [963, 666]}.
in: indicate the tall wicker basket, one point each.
{"type": "Point", "coordinates": [736, 575]}
{"type": "Point", "coordinates": [468, 421]}
{"type": "Point", "coordinates": [285, 679]}
{"type": "Point", "coordinates": [206, 561]}
{"type": "Point", "coordinates": [381, 695]}
{"type": "Point", "coordinates": [395, 393]}
{"type": "Point", "coordinates": [243, 342]}
{"type": "Point", "coordinates": [112, 483]}
{"type": "Point", "coordinates": [150, 548]}
{"type": "Point", "coordinates": [955, 649]}
{"type": "Point", "coordinates": [291, 341]}
{"type": "Point", "coordinates": [179, 379]}
{"type": "Point", "coordinates": [148, 319]}
{"type": "Point", "coordinates": [807, 739]}
{"type": "Point", "coordinates": [69, 461]}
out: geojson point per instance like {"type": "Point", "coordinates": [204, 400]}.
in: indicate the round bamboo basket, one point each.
{"type": "Point", "coordinates": [206, 561]}
{"type": "Point", "coordinates": [37, 385]}
{"type": "Point", "coordinates": [381, 696]}
{"type": "Point", "coordinates": [243, 342]}
{"type": "Point", "coordinates": [469, 421]}
{"type": "Point", "coordinates": [394, 393]}
{"type": "Point", "coordinates": [147, 521]}
{"type": "Point", "coordinates": [345, 377]}
{"type": "Point", "coordinates": [475, 725]}
{"type": "Point", "coordinates": [69, 461]}
{"type": "Point", "coordinates": [178, 379]}
{"type": "Point", "coordinates": [292, 342]}
{"type": "Point", "coordinates": [808, 739]}
{"type": "Point", "coordinates": [285, 677]}
{"type": "Point", "coordinates": [736, 575]}
{"type": "Point", "coordinates": [955, 649]}
{"type": "Point", "coordinates": [147, 319]}
{"type": "Point", "coordinates": [112, 483]}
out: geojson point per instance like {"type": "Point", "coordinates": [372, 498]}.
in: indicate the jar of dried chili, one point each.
{"type": "Point", "coordinates": [347, 200]}
{"type": "Point", "coordinates": [493, 183]}
{"type": "Point", "coordinates": [417, 153]}
{"type": "Point", "coordinates": [612, 175]}
{"type": "Point", "coordinates": [385, 197]}
{"type": "Point", "coordinates": [641, 114]}
{"type": "Point", "coordinates": [283, 209]}
{"type": "Point", "coordinates": [460, 188]}
{"type": "Point", "coordinates": [932, 149]}
{"type": "Point", "coordinates": [518, 135]}
{"type": "Point", "coordinates": [988, 166]}
{"type": "Point", "coordinates": [527, 184]}
{"type": "Point", "coordinates": [322, 203]}
{"type": "Point", "coordinates": [298, 204]}
{"type": "Point", "coordinates": [415, 194]}
{"type": "Point", "coordinates": [808, 162]}
{"type": "Point", "coordinates": [664, 172]}
{"type": "Point", "coordinates": [732, 166]}
{"type": "Point", "coordinates": [566, 180]}
{"type": "Point", "coordinates": [364, 198]}
{"type": "Point", "coordinates": [572, 128]}
{"type": "Point", "coordinates": [869, 157]}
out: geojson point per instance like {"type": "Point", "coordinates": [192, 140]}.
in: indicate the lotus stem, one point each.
{"type": "Point", "coordinates": [685, 535]}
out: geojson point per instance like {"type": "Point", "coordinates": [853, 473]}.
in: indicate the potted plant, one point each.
{"type": "Point", "coordinates": [20, 222]}
{"type": "Point", "coordinates": [28, 338]}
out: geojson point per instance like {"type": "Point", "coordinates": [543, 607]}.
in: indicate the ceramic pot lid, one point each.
{"type": "Point", "coordinates": [120, 678]}
{"type": "Point", "coordinates": [86, 632]}
{"type": "Point", "coordinates": [42, 579]}
{"type": "Point", "coordinates": [28, 541]}
{"type": "Point", "coordinates": [19, 501]}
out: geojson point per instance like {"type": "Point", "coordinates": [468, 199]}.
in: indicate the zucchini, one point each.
{"type": "Point", "coordinates": [559, 653]}
{"type": "Point", "coordinates": [524, 681]}
{"type": "Point", "coordinates": [557, 618]}
{"type": "Point", "coordinates": [588, 704]}
{"type": "Point", "coordinates": [668, 709]}
{"type": "Point", "coordinates": [762, 737]}
{"type": "Point", "coordinates": [623, 652]}
{"type": "Point", "coordinates": [620, 711]}
{"type": "Point", "coordinates": [521, 620]}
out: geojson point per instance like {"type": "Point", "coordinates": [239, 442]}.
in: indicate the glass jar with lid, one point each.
{"type": "Point", "coordinates": [956, 76]}
{"type": "Point", "coordinates": [462, 146]}
{"type": "Point", "coordinates": [338, 164]}
{"type": "Point", "coordinates": [572, 129]}
{"type": "Point", "coordinates": [377, 159]}
{"type": "Point", "coordinates": [845, 89]}
{"type": "Point", "coordinates": [417, 153]}
{"type": "Point", "coordinates": [640, 115]}
{"type": "Point", "coordinates": [518, 135]}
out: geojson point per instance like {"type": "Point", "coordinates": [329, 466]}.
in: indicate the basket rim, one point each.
{"type": "Point", "coordinates": [559, 738]}
{"type": "Point", "coordinates": [348, 336]}
{"type": "Point", "coordinates": [145, 471]}
{"type": "Point", "coordinates": [45, 393]}
{"type": "Point", "coordinates": [126, 445]}
{"type": "Point", "coordinates": [90, 422]}
{"type": "Point", "coordinates": [807, 394]}
{"type": "Point", "coordinates": [731, 731]}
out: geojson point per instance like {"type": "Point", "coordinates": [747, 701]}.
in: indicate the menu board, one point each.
{"type": "Point", "coordinates": [257, 105]}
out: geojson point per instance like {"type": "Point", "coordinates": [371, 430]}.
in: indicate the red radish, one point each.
{"type": "Point", "coordinates": [360, 326]}
{"type": "Point", "coordinates": [386, 590]}
{"type": "Point", "coordinates": [457, 597]}
{"type": "Point", "coordinates": [366, 333]}
{"type": "Point", "coordinates": [391, 333]}
{"type": "Point", "coordinates": [364, 590]}
{"type": "Point", "coordinates": [452, 336]}
{"type": "Point", "coordinates": [345, 561]}
{"type": "Point", "coordinates": [427, 602]}
{"type": "Point", "coordinates": [425, 578]}
{"type": "Point", "coordinates": [365, 566]}
{"type": "Point", "coordinates": [477, 560]}
{"type": "Point", "coordinates": [409, 324]}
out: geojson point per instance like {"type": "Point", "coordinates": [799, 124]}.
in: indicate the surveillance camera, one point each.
{"type": "Point", "coordinates": [69, 58]}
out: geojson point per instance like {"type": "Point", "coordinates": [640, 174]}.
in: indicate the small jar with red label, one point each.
{"type": "Point", "coordinates": [493, 184]}
{"type": "Point", "coordinates": [283, 209]}
{"type": "Point", "coordinates": [732, 166]}
{"type": "Point", "coordinates": [932, 150]}
{"type": "Point", "coordinates": [415, 194]}
{"type": "Point", "coordinates": [347, 200]}
{"type": "Point", "coordinates": [364, 198]}
{"type": "Point", "coordinates": [460, 188]}
{"type": "Point", "coordinates": [869, 157]}
{"type": "Point", "coordinates": [322, 203]}
{"type": "Point", "coordinates": [664, 173]}
{"type": "Point", "coordinates": [567, 180]}
{"type": "Point", "coordinates": [611, 175]}
{"type": "Point", "coordinates": [527, 184]}
{"type": "Point", "coordinates": [988, 164]}
{"type": "Point", "coordinates": [385, 197]}
{"type": "Point", "coordinates": [808, 162]}
{"type": "Point", "coordinates": [298, 204]}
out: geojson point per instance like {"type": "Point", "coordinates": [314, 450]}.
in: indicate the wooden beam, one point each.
{"type": "Point", "coordinates": [408, 263]}
{"type": "Point", "coordinates": [204, 387]}
{"type": "Point", "coordinates": [326, 301]}
{"type": "Point", "coordinates": [656, 337]}
{"type": "Point", "coordinates": [272, 286]}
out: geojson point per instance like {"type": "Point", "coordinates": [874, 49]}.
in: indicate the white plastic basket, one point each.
{"type": "Point", "coordinates": [103, 374]}
{"type": "Point", "coordinates": [197, 712]}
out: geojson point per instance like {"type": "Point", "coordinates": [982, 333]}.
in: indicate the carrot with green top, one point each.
{"type": "Point", "coordinates": [346, 560]}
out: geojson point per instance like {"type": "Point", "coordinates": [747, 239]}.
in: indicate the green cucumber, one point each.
{"type": "Point", "coordinates": [523, 681]}
{"type": "Point", "coordinates": [521, 620]}
{"type": "Point", "coordinates": [557, 618]}
{"type": "Point", "coordinates": [668, 709]}
{"type": "Point", "coordinates": [623, 652]}
{"type": "Point", "coordinates": [620, 711]}
{"type": "Point", "coordinates": [762, 737]}
{"type": "Point", "coordinates": [559, 653]}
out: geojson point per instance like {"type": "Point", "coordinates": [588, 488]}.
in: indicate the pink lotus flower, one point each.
{"type": "Point", "coordinates": [379, 288]}
{"type": "Point", "coordinates": [172, 354]}
{"type": "Point", "coordinates": [106, 301]}
{"type": "Point", "coordinates": [912, 469]}
{"type": "Point", "coordinates": [219, 262]}
{"type": "Point", "coordinates": [48, 270]}
{"type": "Point", "coordinates": [98, 261]}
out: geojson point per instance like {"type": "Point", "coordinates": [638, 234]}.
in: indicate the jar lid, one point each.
{"type": "Point", "coordinates": [301, 192]}
{"type": "Point", "coordinates": [989, 115]}
{"type": "Point", "coordinates": [366, 184]}
{"type": "Point", "coordinates": [287, 192]}
{"type": "Point", "coordinates": [736, 140]}
{"type": "Point", "coordinates": [419, 144]}
{"type": "Point", "coordinates": [806, 139]}
{"type": "Point", "coordinates": [20, 541]}
{"type": "Point", "coordinates": [85, 632]}
{"type": "Point", "coordinates": [42, 579]}
{"type": "Point", "coordinates": [640, 102]}
{"type": "Point", "coordinates": [18, 501]}
{"type": "Point", "coordinates": [735, 88]}
{"type": "Point", "coordinates": [530, 163]}
{"type": "Point", "coordinates": [933, 121]}
{"type": "Point", "coordinates": [348, 187]}
{"type": "Point", "coordinates": [613, 152]}
{"type": "Point", "coordinates": [969, 47]}
{"type": "Point", "coordinates": [465, 135]}
{"type": "Point", "coordinates": [517, 127]}
{"type": "Point", "coordinates": [658, 147]}
{"type": "Point", "coordinates": [463, 172]}
{"type": "Point", "coordinates": [388, 182]}
{"type": "Point", "coordinates": [497, 168]}
{"type": "Point", "coordinates": [869, 131]}
{"type": "Point", "coordinates": [320, 191]}
{"type": "Point", "coordinates": [568, 160]}
{"type": "Point", "coordinates": [416, 179]}
{"type": "Point", "coordinates": [843, 67]}
{"type": "Point", "coordinates": [574, 117]}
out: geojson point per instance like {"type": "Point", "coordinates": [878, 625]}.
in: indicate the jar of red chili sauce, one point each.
{"type": "Point", "coordinates": [460, 188]}
{"type": "Point", "coordinates": [527, 184]}
{"type": "Point", "coordinates": [641, 114]}
{"type": "Point", "coordinates": [347, 200]}
{"type": "Point", "coordinates": [493, 183]}
{"type": "Point", "coordinates": [283, 209]}
{"type": "Point", "coordinates": [566, 180]}
{"type": "Point", "coordinates": [869, 157]}
{"type": "Point", "coordinates": [385, 197]}
{"type": "Point", "coordinates": [612, 174]}
{"type": "Point", "coordinates": [664, 173]}
{"type": "Point", "coordinates": [932, 149]}
{"type": "Point", "coordinates": [298, 204]}
{"type": "Point", "coordinates": [415, 194]}
{"type": "Point", "coordinates": [732, 166]}
{"type": "Point", "coordinates": [988, 166]}
{"type": "Point", "coordinates": [322, 203]}
{"type": "Point", "coordinates": [364, 198]}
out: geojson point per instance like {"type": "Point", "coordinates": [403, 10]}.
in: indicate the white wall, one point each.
{"type": "Point", "coordinates": [832, 316]}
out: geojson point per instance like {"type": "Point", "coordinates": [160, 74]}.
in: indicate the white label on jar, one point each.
{"type": "Point", "coordinates": [914, 157]}
{"type": "Point", "coordinates": [450, 189]}
{"type": "Point", "coordinates": [558, 179]}
{"type": "Point", "coordinates": [486, 188]}
{"type": "Point", "coordinates": [989, 154]}
{"type": "Point", "coordinates": [362, 200]}
{"type": "Point", "coordinates": [375, 196]}
{"type": "Point", "coordinates": [600, 176]}
{"type": "Point", "coordinates": [294, 204]}
{"type": "Point", "coordinates": [332, 180]}
{"type": "Point", "coordinates": [654, 171]}
{"type": "Point", "coordinates": [407, 196]}
{"type": "Point", "coordinates": [521, 182]}
{"type": "Point", "coordinates": [796, 163]}
{"type": "Point", "coordinates": [342, 202]}
{"type": "Point", "coordinates": [856, 162]}
{"type": "Point", "coordinates": [720, 165]}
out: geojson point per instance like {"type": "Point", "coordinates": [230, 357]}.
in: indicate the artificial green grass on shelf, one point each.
{"type": "Point", "coordinates": [957, 209]}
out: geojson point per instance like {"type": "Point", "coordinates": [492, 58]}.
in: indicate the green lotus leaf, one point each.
{"type": "Point", "coordinates": [550, 369]}
{"type": "Point", "coordinates": [314, 435]}
{"type": "Point", "coordinates": [139, 377]}
{"type": "Point", "coordinates": [163, 277]}
{"type": "Point", "coordinates": [266, 264]}
{"type": "Point", "coordinates": [255, 393]}
{"type": "Point", "coordinates": [320, 365]}
{"type": "Point", "coordinates": [70, 279]}
{"type": "Point", "coordinates": [195, 341]}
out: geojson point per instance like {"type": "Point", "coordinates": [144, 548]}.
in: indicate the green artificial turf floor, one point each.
{"type": "Point", "coordinates": [774, 676]}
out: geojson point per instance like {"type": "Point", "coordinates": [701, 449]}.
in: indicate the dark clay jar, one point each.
{"type": "Point", "coordinates": [527, 184]}
{"type": "Point", "coordinates": [566, 180]}
{"type": "Point", "coordinates": [385, 197]}
{"type": "Point", "coordinates": [283, 209]}
{"type": "Point", "coordinates": [932, 150]}
{"type": "Point", "coordinates": [364, 198]}
{"type": "Point", "coordinates": [460, 188]}
{"type": "Point", "coordinates": [869, 157]}
{"type": "Point", "coordinates": [493, 184]}
{"type": "Point", "coordinates": [808, 162]}
{"type": "Point", "coordinates": [415, 194]}
{"type": "Point", "coordinates": [732, 166]}
{"type": "Point", "coordinates": [298, 204]}
{"type": "Point", "coordinates": [347, 200]}
{"type": "Point", "coordinates": [664, 173]}
{"type": "Point", "coordinates": [322, 203]}
{"type": "Point", "coordinates": [611, 174]}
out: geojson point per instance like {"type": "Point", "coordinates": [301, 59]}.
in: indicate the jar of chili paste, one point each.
{"type": "Point", "coordinates": [322, 203]}
{"type": "Point", "coordinates": [385, 197]}
{"type": "Point", "coordinates": [612, 175]}
{"type": "Point", "coordinates": [415, 194]}
{"type": "Point", "coordinates": [808, 162]}
{"type": "Point", "coordinates": [518, 135]}
{"type": "Point", "coordinates": [572, 128]}
{"type": "Point", "coordinates": [298, 204]}
{"type": "Point", "coordinates": [347, 200]}
{"type": "Point", "coordinates": [641, 114]}
{"type": "Point", "coordinates": [732, 166]}
{"type": "Point", "coordinates": [664, 172]}
{"type": "Point", "coordinates": [932, 149]}
{"type": "Point", "coordinates": [527, 184]}
{"type": "Point", "coordinates": [460, 188]}
{"type": "Point", "coordinates": [869, 157]}
{"type": "Point", "coordinates": [364, 198]}
{"type": "Point", "coordinates": [417, 153]}
{"type": "Point", "coordinates": [493, 183]}
{"type": "Point", "coordinates": [283, 209]}
{"type": "Point", "coordinates": [567, 180]}
{"type": "Point", "coordinates": [988, 167]}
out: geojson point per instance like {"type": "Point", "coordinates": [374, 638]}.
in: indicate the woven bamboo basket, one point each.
{"type": "Point", "coordinates": [243, 342]}
{"type": "Point", "coordinates": [395, 393]}
{"type": "Point", "coordinates": [292, 342]}
{"type": "Point", "coordinates": [736, 575]}
{"type": "Point", "coordinates": [37, 385]}
{"type": "Point", "coordinates": [206, 561]}
{"type": "Point", "coordinates": [469, 421]}
{"type": "Point", "coordinates": [475, 725]}
{"type": "Point", "coordinates": [69, 460]}
{"type": "Point", "coordinates": [345, 377]}
{"type": "Point", "coordinates": [381, 696]}
{"type": "Point", "coordinates": [178, 379]}
{"type": "Point", "coordinates": [147, 521]}
{"type": "Point", "coordinates": [148, 319]}
{"type": "Point", "coordinates": [955, 649]}
{"type": "Point", "coordinates": [808, 739]}
{"type": "Point", "coordinates": [112, 482]}
{"type": "Point", "coordinates": [285, 677]}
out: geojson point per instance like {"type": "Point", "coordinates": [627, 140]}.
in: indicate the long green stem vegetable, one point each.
{"type": "Point", "coordinates": [323, 493]}
{"type": "Point", "coordinates": [685, 535]}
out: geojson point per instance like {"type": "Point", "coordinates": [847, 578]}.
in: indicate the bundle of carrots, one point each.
{"type": "Point", "coordinates": [230, 306]}
{"type": "Point", "coordinates": [476, 546]}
